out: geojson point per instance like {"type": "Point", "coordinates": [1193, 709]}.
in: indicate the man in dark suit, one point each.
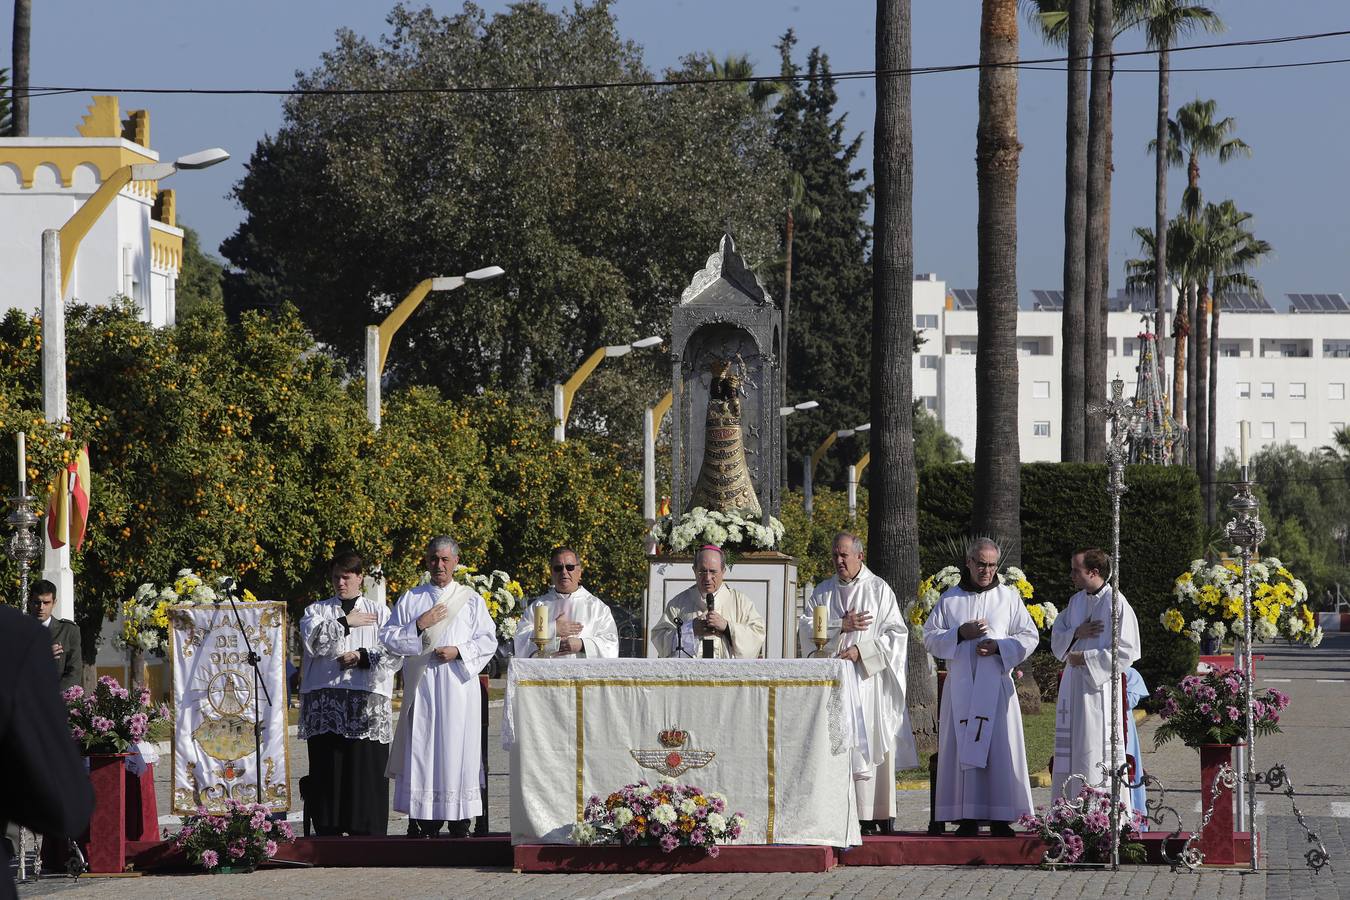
{"type": "Point", "coordinates": [65, 634]}
{"type": "Point", "coordinates": [46, 787]}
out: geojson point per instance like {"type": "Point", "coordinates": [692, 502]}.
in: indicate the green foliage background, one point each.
{"type": "Point", "coordinates": [1065, 508]}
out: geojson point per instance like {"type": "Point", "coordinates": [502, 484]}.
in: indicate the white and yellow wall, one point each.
{"type": "Point", "coordinates": [134, 249]}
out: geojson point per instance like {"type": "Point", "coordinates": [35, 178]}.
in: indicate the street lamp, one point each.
{"type": "Point", "coordinates": [59, 247]}
{"type": "Point", "coordinates": [800, 407]}
{"type": "Point", "coordinates": [379, 337]}
{"type": "Point", "coordinates": [809, 463]}
{"type": "Point", "coordinates": [564, 393]}
{"type": "Point", "coordinates": [651, 423]}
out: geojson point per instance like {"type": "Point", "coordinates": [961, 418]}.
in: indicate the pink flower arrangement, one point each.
{"type": "Point", "coordinates": [242, 835]}
{"type": "Point", "coordinates": [1208, 709]}
{"type": "Point", "coordinates": [668, 815]}
{"type": "Point", "coordinates": [109, 719]}
{"type": "Point", "coordinates": [1083, 827]}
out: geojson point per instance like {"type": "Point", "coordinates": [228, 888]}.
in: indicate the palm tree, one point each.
{"type": "Point", "coordinates": [1228, 252]}
{"type": "Point", "coordinates": [22, 60]}
{"type": "Point", "coordinates": [893, 525]}
{"type": "Point", "coordinates": [1096, 246]}
{"type": "Point", "coordinates": [1195, 133]}
{"type": "Point", "coordinates": [1165, 22]}
{"type": "Point", "coordinates": [4, 103]}
{"type": "Point", "coordinates": [998, 492]}
{"type": "Point", "coordinates": [740, 69]}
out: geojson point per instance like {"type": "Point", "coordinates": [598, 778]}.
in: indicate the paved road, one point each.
{"type": "Point", "coordinates": [1317, 731]}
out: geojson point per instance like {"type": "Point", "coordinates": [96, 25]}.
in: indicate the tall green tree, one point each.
{"type": "Point", "coordinates": [1193, 134]}
{"type": "Point", "coordinates": [997, 151]}
{"type": "Point", "coordinates": [5, 118]}
{"type": "Point", "coordinates": [828, 353]}
{"type": "Point", "coordinates": [892, 511]}
{"type": "Point", "coordinates": [201, 281]}
{"type": "Point", "coordinates": [21, 50]}
{"type": "Point", "coordinates": [600, 205]}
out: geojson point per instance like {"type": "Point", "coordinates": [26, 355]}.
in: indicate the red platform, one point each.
{"type": "Point", "coordinates": [921, 849]}
{"type": "Point", "coordinates": [343, 852]}
{"type": "Point", "coordinates": [650, 860]}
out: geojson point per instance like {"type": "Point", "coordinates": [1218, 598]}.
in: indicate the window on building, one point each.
{"type": "Point", "coordinates": [1040, 429]}
{"type": "Point", "coordinates": [1288, 350]}
{"type": "Point", "coordinates": [1268, 389]}
{"type": "Point", "coordinates": [967, 348]}
{"type": "Point", "coordinates": [925, 321]}
{"type": "Point", "coordinates": [1336, 428]}
{"type": "Point", "coordinates": [1298, 390]}
{"type": "Point", "coordinates": [1268, 431]}
{"type": "Point", "coordinates": [1028, 348]}
{"type": "Point", "coordinates": [930, 404]}
{"type": "Point", "coordinates": [1110, 346]}
{"type": "Point", "coordinates": [1244, 389]}
{"type": "Point", "coordinates": [1040, 390]}
{"type": "Point", "coordinates": [928, 362]}
{"type": "Point", "coordinates": [1131, 346]}
{"type": "Point", "coordinates": [1338, 349]}
{"type": "Point", "coordinates": [1336, 391]}
{"type": "Point", "coordinates": [1298, 430]}
{"type": "Point", "coordinates": [1230, 348]}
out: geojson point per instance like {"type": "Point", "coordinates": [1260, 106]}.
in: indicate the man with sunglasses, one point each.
{"type": "Point", "coordinates": [579, 623]}
{"type": "Point", "coordinates": [983, 630]}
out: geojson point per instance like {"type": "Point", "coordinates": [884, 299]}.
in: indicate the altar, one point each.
{"type": "Point", "coordinates": [774, 736]}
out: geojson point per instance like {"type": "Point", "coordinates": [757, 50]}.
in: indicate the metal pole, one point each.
{"type": "Point", "coordinates": [808, 489]}
{"type": "Point", "coordinates": [648, 465]}
{"type": "Point", "coordinates": [559, 414]}
{"type": "Point", "coordinates": [373, 375]}
{"type": "Point", "coordinates": [55, 561]}
{"type": "Point", "coordinates": [852, 492]}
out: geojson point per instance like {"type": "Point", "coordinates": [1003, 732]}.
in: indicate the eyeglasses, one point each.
{"type": "Point", "coordinates": [568, 566]}
{"type": "Point", "coordinates": [984, 565]}
{"type": "Point", "coordinates": [706, 571]}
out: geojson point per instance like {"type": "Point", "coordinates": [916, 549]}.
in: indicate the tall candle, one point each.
{"type": "Point", "coordinates": [540, 621]}
{"type": "Point", "coordinates": [820, 623]}
{"type": "Point", "coordinates": [23, 461]}
{"type": "Point", "coordinates": [1244, 429]}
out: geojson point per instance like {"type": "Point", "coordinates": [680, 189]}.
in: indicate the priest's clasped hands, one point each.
{"type": "Point", "coordinates": [567, 631]}
{"type": "Point", "coordinates": [437, 612]}
{"type": "Point", "coordinates": [854, 620]}
{"type": "Point", "coordinates": [714, 623]}
{"type": "Point", "coordinates": [1089, 629]}
{"type": "Point", "coordinates": [978, 628]}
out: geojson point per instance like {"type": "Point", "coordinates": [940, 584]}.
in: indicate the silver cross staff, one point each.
{"type": "Point", "coordinates": [1125, 417]}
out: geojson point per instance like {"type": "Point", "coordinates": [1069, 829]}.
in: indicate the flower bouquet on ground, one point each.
{"type": "Point", "coordinates": [110, 718]}
{"type": "Point", "coordinates": [1082, 827]}
{"type": "Point", "coordinates": [500, 592]}
{"type": "Point", "coordinates": [668, 815]}
{"type": "Point", "coordinates": [931, 588]}
{"type": "Point", "coordinates": [729, 530]}
{"type": "Point", "coordinates": [1208, 709]}
{"type": "Point", "coordinates": [1208, 603]}
{"type": "Point", "coordinates": [239, 838]}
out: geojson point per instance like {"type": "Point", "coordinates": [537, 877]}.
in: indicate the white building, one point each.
{"type": "Point", "coordinates": [1286, 373]}
{"type": "Point", "coordinates": [133, 249]}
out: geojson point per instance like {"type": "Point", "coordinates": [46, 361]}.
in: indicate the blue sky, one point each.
{"type": "Point", "coordinates": [1295, 119]}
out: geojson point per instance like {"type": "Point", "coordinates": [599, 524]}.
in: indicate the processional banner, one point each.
{"type": "Point", "coordinates": [217, 700]}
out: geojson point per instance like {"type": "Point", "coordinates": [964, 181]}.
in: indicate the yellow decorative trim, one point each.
{"type": "Point", "coordinates": [102, 119]}
{"type": "Point", "coordinates": [105, 161]}
{"type": "Point", "coordinates": [773, 764]}
{"type": "Point", "coordinates": [581, 755]}
{"type": "Point", "coordinates": [166, 250]}
{"type": "Point", "coordinates": [580, 683]}
{"type": "Point", "coordinates": [136, 128]}
{"type": "Point", "coordinates": [166, 208]}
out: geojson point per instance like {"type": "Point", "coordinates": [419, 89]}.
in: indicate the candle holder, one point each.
{"type": "Point", "coordinates": [24, 545]}
{"type": "Point", "coordinates": [820, 643]}
{"type": "Point", "coordinates": [539, 643]}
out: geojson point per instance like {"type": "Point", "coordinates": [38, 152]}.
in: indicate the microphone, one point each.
{"type": "Point", "coordinates": [707, 641]}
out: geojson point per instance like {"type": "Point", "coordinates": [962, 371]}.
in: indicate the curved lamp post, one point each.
{"type": "Point", "coordinates": [379, 337]}
{"type": "Point", "coordinates": [809, 463]}
{"type": "Point", "coordinates": [564, 393]}
{"type": "Point", "coordinates": [59, 247]}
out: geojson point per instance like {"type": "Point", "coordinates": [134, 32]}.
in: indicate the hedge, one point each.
{"type": "Point", "coordinates": [1065, 507]}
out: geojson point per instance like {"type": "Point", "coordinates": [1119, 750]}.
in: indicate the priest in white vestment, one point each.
{"type": "Point", "coordinates": [576, 622]}
{"type": "Point", "coordinates": [1081, 639]}
{"type": "Point", "coordinates": [732, 628]}
{"type": "Point", "coordinates": [983, 630]}
{"type": "Point", "coordinates": [865, 626]}
{"type": "Point", "coordinates": [444, 631]}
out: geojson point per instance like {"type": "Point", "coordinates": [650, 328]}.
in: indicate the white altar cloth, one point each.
{"type": "Point", "coordinates": [774, 736]}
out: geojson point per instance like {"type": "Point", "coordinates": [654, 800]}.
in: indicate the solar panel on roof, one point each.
{"type": "Point", "coordinates": [965, 298]}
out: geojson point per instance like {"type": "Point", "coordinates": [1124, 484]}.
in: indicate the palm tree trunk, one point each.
{"type": "Point", "coordinates": [1181, 329]}
{"type": "Point", "coordinates": [998, 490]}
{"type": "Point", "coordinates": [1074, 426]}
{"type": "Point", "coordinates": [1202, 380]}
{"type": "Point", "coordinates": [789, 227]}
{"type": "Point", "coordinates": [1190, 373]}
{"type": "Point", "coordinates": [1096, 245]}
{"type": "Point", "coordinates": [21, 60]}
{"type": "Point", "coordinates": [1211, 491]}
{"type": "Point", "coordinates": [1160, 204]}
{"type": "Point", "coordinates": [893, 514]}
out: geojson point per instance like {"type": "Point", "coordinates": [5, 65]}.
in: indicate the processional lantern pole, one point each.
{"type": "Point", "coordinates": [1247, 532]}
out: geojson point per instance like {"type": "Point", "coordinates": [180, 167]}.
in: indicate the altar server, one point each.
{"type": "Point", "coordinates": [347, 679]}
{"type": "Point", "coordinates": [1081, 639]}
{"type": "Point", "coordinates": [984, 631]}
{"type": "Point", "coordinates": [731, 625]}
{"type": "Point", "coordinates": [863, 624]}
{"type": "Point", "coordinates": [576, 622]}
{"type": "Point", "coordinates": [446, 635]}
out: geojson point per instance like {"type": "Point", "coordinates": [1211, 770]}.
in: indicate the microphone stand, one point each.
{"type": "Point", "coordinates": [679, 641]}
{"type": "Point", "coordinates": [259, 686]}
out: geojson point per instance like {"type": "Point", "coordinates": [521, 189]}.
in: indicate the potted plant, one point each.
{"type": "Point", "coordinates": [235, 839]}
{"type": "Point", "coordinates": [1081, 828]}
{"type": "Point", "coordinates": [1208, 605]}
{"type": "Point", "coordinates": [668, 816]}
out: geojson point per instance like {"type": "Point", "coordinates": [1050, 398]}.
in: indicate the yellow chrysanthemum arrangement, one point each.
{"type": "Point", "coordinates": [932, 587]}
{"type": "Point", "coordinates": [1208, 603]}
{"type": "Point", "coordinates": [145, 615]}
{"type": "Point", "coordinates": [500, 592]}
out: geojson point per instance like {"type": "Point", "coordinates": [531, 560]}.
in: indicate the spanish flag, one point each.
{"type": "Point", "coordinates": [68, 506]}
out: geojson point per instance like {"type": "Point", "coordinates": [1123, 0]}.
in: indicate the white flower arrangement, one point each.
{"type": "Point", "coordinates": [728, 530]}
{"type": "Point", "coordinates": [931, 589]}
{"type": "Point", "coordinates": [145, 616]}
{"type": "Point", "coordinates": [500, 592]}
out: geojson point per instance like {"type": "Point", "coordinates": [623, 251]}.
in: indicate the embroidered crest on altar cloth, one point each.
{"type": "Point", "coordinates": [673, 759]}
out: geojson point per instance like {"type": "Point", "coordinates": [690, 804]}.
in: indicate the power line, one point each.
{"type": "Point", "coordinates": [851, 75]}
